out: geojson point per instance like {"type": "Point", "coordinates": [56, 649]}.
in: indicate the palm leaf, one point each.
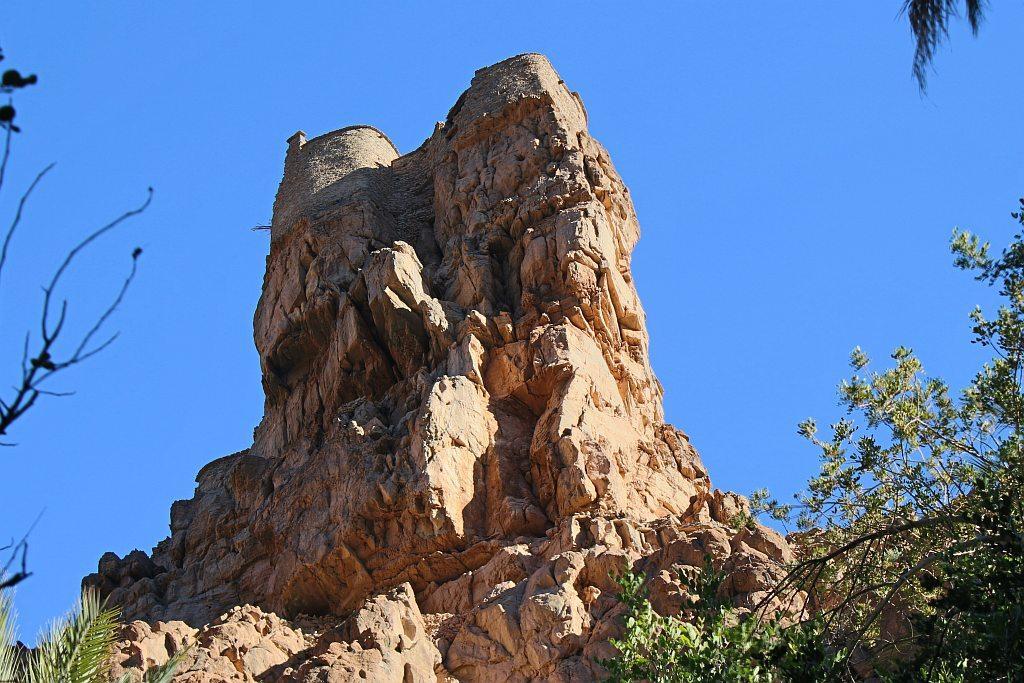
{"type": "Point", "coordinates": [9, 660]}
{"type": "Point", "coordinates": [76, 649]}
{"type": "Point", "coordinates": [165, 672]}
{"type": "Point", "coordinates": [162, 673]}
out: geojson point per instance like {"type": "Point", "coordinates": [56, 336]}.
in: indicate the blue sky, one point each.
{"type": "Point", "coordinates": [795, 192]}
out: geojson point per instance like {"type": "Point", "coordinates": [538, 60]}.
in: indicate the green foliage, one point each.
{"type": "Point", "coordinates": [917, 515]}
{"type": "Point", "coordinates": [761, 503]}
{"type": "Point", "coordinates": [743, 520]}
{"type": "Point", "coordinates": [8, 654]}
{"type": "Point", "coordinates": [717, 645]}
{"type": "Point", "coordinates": [76, 649]}
{"type": "Point", "coordinates": [163, 673]}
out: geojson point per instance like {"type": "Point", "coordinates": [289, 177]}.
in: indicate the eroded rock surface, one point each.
{"type": "Point", "coordinates": [386, 639]}
{"type": "Point", "coordinates": [461, 420]}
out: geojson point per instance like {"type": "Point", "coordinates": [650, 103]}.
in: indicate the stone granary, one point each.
{"type": "Point", "coordinates": [463, 439]}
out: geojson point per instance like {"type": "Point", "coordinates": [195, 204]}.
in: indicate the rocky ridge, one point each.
{"type": "Point", "coordinates": [463, 438]}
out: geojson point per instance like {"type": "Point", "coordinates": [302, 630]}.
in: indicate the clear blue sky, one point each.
{"type": "Point", "coordinates": [796, 196]}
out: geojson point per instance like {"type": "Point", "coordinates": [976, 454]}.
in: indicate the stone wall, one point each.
{"type": "Point", "coordinates": [315, 171]}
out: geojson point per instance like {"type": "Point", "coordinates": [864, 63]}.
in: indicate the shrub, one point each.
{"type": "Point", "coordinates": [717, 645]}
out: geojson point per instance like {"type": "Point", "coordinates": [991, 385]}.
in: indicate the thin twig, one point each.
{"type": "Point", "coordinates": [7, 153]}
{"type": "Point", "coordinates": [22, 547]}
{"type": "Point", "coordinates": [79, 247]}
{"type": "Point", "coordinates": [43, 365]}
{"type": "Point", "coordinates": [18, 213]}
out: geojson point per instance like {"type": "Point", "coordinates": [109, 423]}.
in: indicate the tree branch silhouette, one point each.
{"type": "Point", "coordinates": [44, 362]}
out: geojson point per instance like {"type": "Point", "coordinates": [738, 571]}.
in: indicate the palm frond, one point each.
{"type": "Point", "coordinates": [929, 22]}
{"type": "Point", "coordinates": [77, 648]}
{"type": "Point", "coordinates": [10, 662]}
{"type": "Point", "coordinates": [161, 673]}
{"type": "Point", "coordinates": [165, 672]}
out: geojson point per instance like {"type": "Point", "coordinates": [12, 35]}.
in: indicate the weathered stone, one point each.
{"type": "Point", "coordinates": [460, 415]}
{"type": "Point", "coordinates": [385, 640]}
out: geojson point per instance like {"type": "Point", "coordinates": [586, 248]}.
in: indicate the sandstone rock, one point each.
{"type": "Point", "coordinates": [385, 640]}
{"type": "Point", "coordinates": [461, 417]}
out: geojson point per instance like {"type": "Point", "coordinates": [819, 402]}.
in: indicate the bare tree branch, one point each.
{"type": "Point", "coordinates": [18, 550]}
{"type": "Point", "coordinates": [7, 155]}
{"type": "Point", "coordinates": [18, 213]}
{"type": "Point", "coordinates": [82, 245]}
{"type": "Point", "coordinates": [44, 363]}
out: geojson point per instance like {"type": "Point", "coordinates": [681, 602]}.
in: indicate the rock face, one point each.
{"type": "Point", "coordinates": [385, 640]}
{"type": "Point", "coordinates": [461, 420]}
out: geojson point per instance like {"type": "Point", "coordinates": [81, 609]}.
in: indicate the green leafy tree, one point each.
{"type": "Point", "coordinates": [914, 527]}
{"type": "Point", "coordinates": [716, 644]}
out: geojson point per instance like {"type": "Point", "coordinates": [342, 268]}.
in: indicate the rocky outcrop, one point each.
{"type": "Point", "coordinates": [385, 640]}
{"type": "Point", "coordinates": [459, 400]}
